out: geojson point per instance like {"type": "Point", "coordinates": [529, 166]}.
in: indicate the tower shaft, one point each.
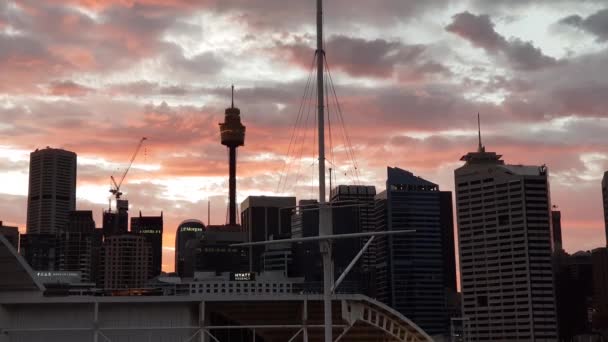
{"type": "Point", "coordinates": [232, 186]}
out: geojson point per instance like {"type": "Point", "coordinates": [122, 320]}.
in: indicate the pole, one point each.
{"type": "Point", "coordinates": [325, 224]}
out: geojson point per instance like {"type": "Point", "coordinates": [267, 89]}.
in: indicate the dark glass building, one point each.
{"type": "Point", "coordinates": [353, 212]}
{"type": "Point", "coordinates": [39, 250]}
{"type": "Point", "coordinates": [307, 257]}
{"type": "Point", "coordinates": [188, 230]}
{"type": "Point", "coordinates": [573, 293]}
{"type": "Point", "coordinates": [151, 227]}
{"type": "Point", "coordinates": [416, 272]}
{"type": "Point", "coordinates": [11, 234]}
{"type": "Point", "coordinates": [599, 259]}
{"type": "Point", "coordinates": [263, 218]}
{"type": "Point", "coordinates": [213, 252]}
{"type": "Point", "coordinates": [78, 245]}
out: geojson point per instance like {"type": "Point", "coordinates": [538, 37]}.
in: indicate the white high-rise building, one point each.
{"type": "Point", "coordinates": [52, 190]}
{"type": "Point", "coordinates": [505, 244]}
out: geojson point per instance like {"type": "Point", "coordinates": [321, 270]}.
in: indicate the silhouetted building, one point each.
{"type": "Point", "coordinates": [11, 234]}
{"type": "Point", "coordinates": [605, 201]}
{"type": "Point", "coordinates": [353, 212]}
{"type": "Point", "coordinates": [116, 222]}
{"type": "Point", "coordinates": [232, 135]}
{"type": "Point", "coordinates": [279, 258]}
{"type": "Point", "coordinates": [504, 230]}
{"type": "Point", "coordinates": [556, 222]}
{"type": "Point", "coordinates": [214, 252]}
{"type": "Point", "coordinates": [78, 246]}
{"type": "Point", "coordinates": [39, 250]}
{"type": "Point", "coordinates": [188, 230]}
{"type": "Point", "coordinates": [52, 190]}
{"type": "Point", "coordinates": [415, 275]}
{"type": "Point", "coordinates": [263, 217]}
{"type": "Point", "coordinates": [573, 294]}
{"type": "Point", "coordinates": [126, 260]}
{"type": "Point", "coordinates": [600, 290]}
{"type": "Point", "coordinates": [307, 257]}
{"type": "Point", "coordinates": [151, 227]}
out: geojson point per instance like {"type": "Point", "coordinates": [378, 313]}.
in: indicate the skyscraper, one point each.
{"type": "Point", "coordinates": [151, 227]}
{"type": "Point", "coordinates": [77, 245]}
{"type": "Point", "coordinates": [416, 272]}
{"type": "Point", "coordinates": [52, 190]}
{"type": "Point", "coordinates": [605, 200]}
{"type": "Point", "coordinates": [353, 212]}
{"type": "Point", "coordinates": [188, 230]}
{"type": "Point", "coordinates": [263, 217]}
{"type": "Point", "coordinates": [504, 231]}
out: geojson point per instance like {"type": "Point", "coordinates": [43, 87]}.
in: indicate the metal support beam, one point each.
{"type": "Point", "coordinates": [305, 320]}
{"type": "Point", "coordinates": [296, 335]}
{"type": "Point", "coordinates": [352, 264]}
{"type": "Point", "coordinates": [346, 330]}
{"type": "Point", "coordinates": [201, 321]}
{"type": "Point", "coordinates": [96, 322]}
{"type": "Point", "coordinates": [210, 335]}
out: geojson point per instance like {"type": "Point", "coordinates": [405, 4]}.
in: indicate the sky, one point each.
{"type": "Point", "coordinates": [94, 76]}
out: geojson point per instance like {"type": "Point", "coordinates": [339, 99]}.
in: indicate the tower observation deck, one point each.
{"type": "Point", "coordinates": [233, 135]}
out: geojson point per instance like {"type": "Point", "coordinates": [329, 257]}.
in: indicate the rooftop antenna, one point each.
{"type": "Point", "coordinates": [232, 96]}
{"type": "Point", "coordinates": [480, 148]}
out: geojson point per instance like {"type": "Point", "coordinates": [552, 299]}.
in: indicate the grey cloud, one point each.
{"type": "Point", "coordinates": [596, 24]}
{"type": "Point", "coordinates": [479, 30]}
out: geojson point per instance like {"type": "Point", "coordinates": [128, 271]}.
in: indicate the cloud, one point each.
{"type": "Point", "coordinates": [596, 24]}
{"type": "Point", "coordinates": [479, 30]}
{"type": "Point", "coordinates": [68, 88]}
{"type": "Point", "coordinates": [358, 57]}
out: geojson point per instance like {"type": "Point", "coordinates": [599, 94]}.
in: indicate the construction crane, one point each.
{"type": "Point", "coordinates": [115, 190]}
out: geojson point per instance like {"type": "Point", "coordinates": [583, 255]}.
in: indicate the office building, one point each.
{"type": "Point", "coordinates": [573, 293]}
{"type": "Point", "coordinates": [605, 201]}
{"type": "Point", "coordinates": [307, 257]}
{"type": "Point", "coordinates": [214, 253]}
{"type": "Point", "coordinates": [151, 227]}
{"type": "Point", "coordinates": [599, 261]}
{"type": "Point", "coordinates": [116, 222]}
{"type": "Point", "coordinates": [263, 218]}
{"type": "Point", "coordinates": [11, 234]}
{"type": "Point", "coordinates": [39, 250]}
{"type": "Point", "coordinates": [416, 271]}
{"type": "Point", "coordinates": [77, 245]}
{"type": "Point", "coordinates": [505, 245]}
{"type": "Point", "coordinates": [126, 260]}
{"type": "Point", "coordinates": [556, 224]}
{"type": "Point", "coordinates": [52, 190]}
{"type": "Point", "coordinates": [353, 212]}
{"type": "Point", "coordinates": [188, 230]}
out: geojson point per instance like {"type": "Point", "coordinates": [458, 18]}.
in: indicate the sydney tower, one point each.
{"type": "Point", "coordinates": [233, 136]}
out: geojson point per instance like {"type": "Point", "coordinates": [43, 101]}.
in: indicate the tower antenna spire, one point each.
{"type": "Point", "coordinates": [480, 148]}
{"type": "Point", "coordinates": [232, 96]}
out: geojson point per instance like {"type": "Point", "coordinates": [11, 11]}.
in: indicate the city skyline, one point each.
{"type": "Point", "coordinates": [424, 120]}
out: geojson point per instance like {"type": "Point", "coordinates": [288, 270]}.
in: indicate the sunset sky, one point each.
{"type": "Point", "coordinates": [94, 76]}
